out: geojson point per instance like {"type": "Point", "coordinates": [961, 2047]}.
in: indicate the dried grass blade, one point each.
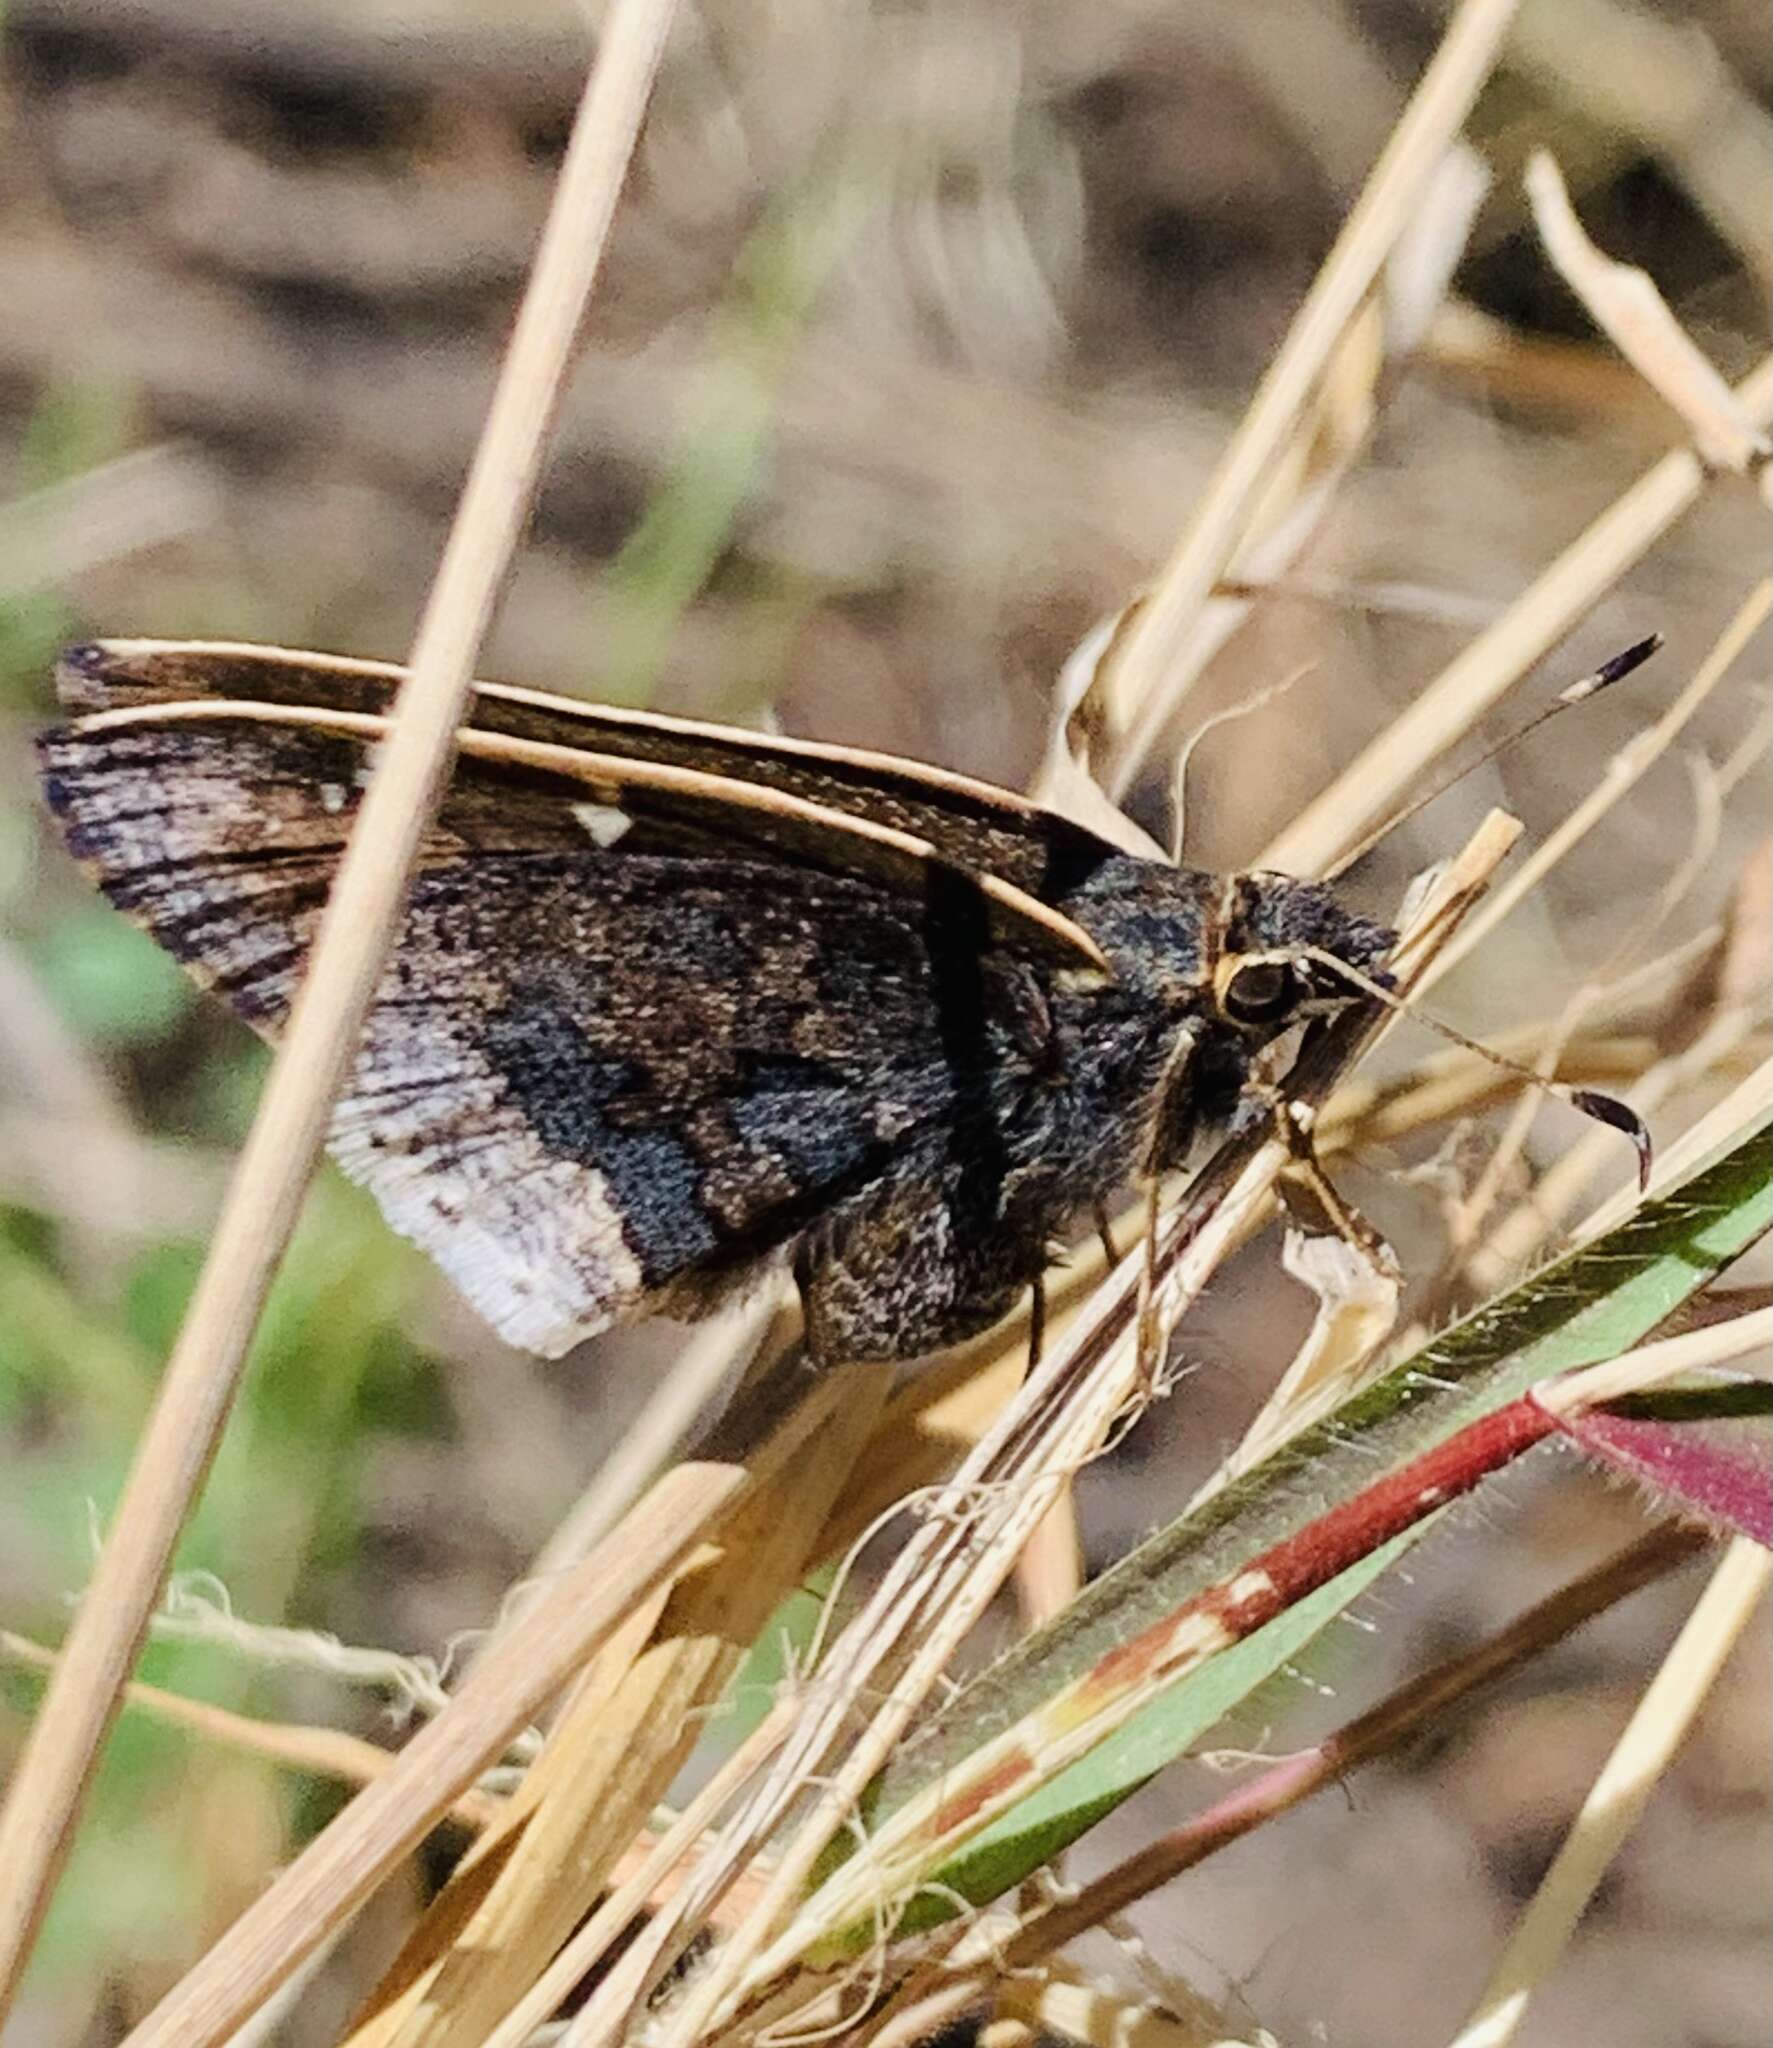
{"type": "Point", "coordinates": [340, 1868]}
{"type": "Point", "coordinates": [1357, 1297]}
{"type": "Point", "coordinates": [1653, 1365]}
{"type": "Point", "coordinates": [1158, 637]}
{"type": "Point", "coordinates": [631, 1729]}
{"type": "Point", "coordinates": [1099, 692]}
{"type": "Point", "coordinates": [719, 1348]}
{"type": "Point", "coordinates": [49, 1784]}
{"type": "Point", "coordinates": [462, 1902]}
{"type": "Point", "coordinates": [1658, 76]}
{"type": "Point", "coordinates": [1057, 2004]}
{"type": "Point", "coordinates": [638, 1888]}
{"type": "Point", "coordinates": [1449, 706]}
{"type": "Point", "coordinates": [1631, 311]}
{"type": "Point", "coordinates": [322, 1752]}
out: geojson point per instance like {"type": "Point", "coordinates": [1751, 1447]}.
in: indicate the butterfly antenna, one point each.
{"type": "Point", "coordinates": [1589, 1102]}
{"type": "Point", "coordinates": [1609, 673]}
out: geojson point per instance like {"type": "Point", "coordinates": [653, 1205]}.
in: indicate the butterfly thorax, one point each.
{"type": "Point", "coordinates": [1207, 969]}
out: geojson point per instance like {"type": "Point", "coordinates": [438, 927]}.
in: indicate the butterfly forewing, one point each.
{"type": "Point", "coordinates": [622, 1049]}
{"type": "Point", "coordinates": [975, 825]}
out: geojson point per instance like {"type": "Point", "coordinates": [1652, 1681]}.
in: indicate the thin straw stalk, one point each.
{"type": "Point", "coordinates": [1489, 666]}
{"type": "Point", "coordinates": [616, 1752]}
{"type": "Point", "coordinates": [341, 1867]}
{"type": "Point", "coordinates": [1620, 1793]}
{"type": "Point", "coordinates": [49, 1784]}
{"type": "Point", "coordinates": [1158, 636]}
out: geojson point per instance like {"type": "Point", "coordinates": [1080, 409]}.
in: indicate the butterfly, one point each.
{"type": "Point", "coordinates": [672, 1002]}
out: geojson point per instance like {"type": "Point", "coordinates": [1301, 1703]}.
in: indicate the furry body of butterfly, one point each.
{"type": "Point", "coordinates": [670, 1001]}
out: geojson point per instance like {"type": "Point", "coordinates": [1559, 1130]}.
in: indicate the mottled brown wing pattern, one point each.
{"type": "Point", "coordinates": [596, 1077]}
{"type": "Point", "coordinates": [976, 825]}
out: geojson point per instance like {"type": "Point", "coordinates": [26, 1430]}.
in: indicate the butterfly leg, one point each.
{"type": "Point", "coordinates": [1105, 1234]}
{"type": "Point", "coordinates": [1037, 1319]}
{"type": "Point", "coordinates": [1149, 1340]}
{"type": "Point", "coordinates": [1313, 1200]}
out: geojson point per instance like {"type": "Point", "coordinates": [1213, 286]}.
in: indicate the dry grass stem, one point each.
{"type": "Point", "coordinates": [706, 1361]}
{"type": "Point", "coordinates": [1057, 2002]}
{"type": "Point", "coordinates": [544, 1650]}
{"type": "Point", "coordinates": [340, 1868]}
{"type": "Point", "coordinates": [1643, 73]}
{"type": "Point", "coordinates": [1609, 1813]}
{"type": "Point", "coordinates": [298, 1746]}
{"type": "Point", "coordinates": [1628, 308]}
{"type": "Point", "coordinates": [628, 1977]}
{"type": "Point", "coordinates": [195, 1395]}
{"type": "Point", "coordinates": [1049, 1573]}
{"type": "Point", "coordinates": [1576, 379]}
{"type": "Point", "coordinates": [1498, 658]}
{"type": "Point", "coordinates": [1652, 1365]}
{"type": "Point", "coordinates": [1157, 640]}
{"type": "Point", "coordinates": [630, 1729]}
{"type": "Point", "coordinates": [142, 500]}
{"type": "Point", "coordinates": [473, 1899]}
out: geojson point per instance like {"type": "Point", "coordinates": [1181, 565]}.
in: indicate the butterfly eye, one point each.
{"type": "Point", "coordinates": [1260, 992]}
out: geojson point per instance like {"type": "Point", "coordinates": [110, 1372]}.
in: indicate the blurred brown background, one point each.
{"type": "Point", "coordinates": [922, 329]}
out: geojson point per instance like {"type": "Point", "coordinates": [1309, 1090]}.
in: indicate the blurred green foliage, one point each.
{"type": "Point", "coordinates": [86, 1321]}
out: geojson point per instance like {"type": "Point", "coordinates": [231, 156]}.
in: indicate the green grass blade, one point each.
{"type": "Point", "coordinates": [1587, 1307]}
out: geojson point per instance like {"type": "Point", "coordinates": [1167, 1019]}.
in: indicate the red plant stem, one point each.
{"type": "Point", "coordinates": [1278, 1579]}
{"type": "Point", "coordinates": [931, 2000]}
{"type": "Point", "coordinates": [1355, 1528]}
{"type": "Point", "coordinates": [1372, 1734]}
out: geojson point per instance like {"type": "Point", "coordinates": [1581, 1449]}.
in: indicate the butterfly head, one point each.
{"type": "Point", "coordinates": [1275, 946]}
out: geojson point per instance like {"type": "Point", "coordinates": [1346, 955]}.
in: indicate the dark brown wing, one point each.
{"type": "Point", "coordinates": [615, 1057]}
{"type": "Point", "coordinates": [977, 826]}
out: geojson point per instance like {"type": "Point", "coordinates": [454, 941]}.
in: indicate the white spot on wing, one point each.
{"type": "Point", "coordinates": [604, 822]}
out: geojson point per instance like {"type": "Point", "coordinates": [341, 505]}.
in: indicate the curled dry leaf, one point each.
{"type": "Point", "coordinates": [1357, 1302]}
